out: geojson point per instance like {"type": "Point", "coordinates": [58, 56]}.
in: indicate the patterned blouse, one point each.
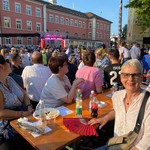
{"type": "Point", "coordinates": [13, 98]}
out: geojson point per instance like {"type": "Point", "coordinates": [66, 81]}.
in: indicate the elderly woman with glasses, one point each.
{"type": "Point", "coordinates": [12, 100]}
{"type": "Point", "coordinates": [58, 89]}
{"type": "Point", "coordinates": [126, 105]}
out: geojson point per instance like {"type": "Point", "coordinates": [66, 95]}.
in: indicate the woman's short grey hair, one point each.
{"type": "Point", "coordinates": [133, 62]}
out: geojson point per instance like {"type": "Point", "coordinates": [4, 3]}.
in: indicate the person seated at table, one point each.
{"type": "Point", "coordinates": [17, 79]}
{"type": "Point", "coordinates": [12, 99]}
{"type": "Point", "coordinates": [35, 77]}
{"type": "Point", "coordinates": [55, 53]}
{"type": "Point", "coordinates": [126, 106]}
{"type": "Point", "coordinates": [146, 61]}
{"type": "Point", "coordinates": [99, 61]}
{"type": "Point", "coordinates": [72, 69]}
{"type": "Point", "coordinates": [111, 72]}
{"type": "Point", "coordinates": [15, 64]}
{"type": "Point", "coordinates": [81, 63]}
{"type": "Point", "coordinates": [102, 60]}
{"type": "Point", "coordinates": [4, 52]}
{"type": "Point", "coordinates": [91, 75]}
{"type": "Point", "coordinates": [57, 89]}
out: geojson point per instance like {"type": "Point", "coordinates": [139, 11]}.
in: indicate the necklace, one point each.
{"type": "Point", "coordinates": [128, 100]}
{"type": "Point", "coordinates": [127, 103]}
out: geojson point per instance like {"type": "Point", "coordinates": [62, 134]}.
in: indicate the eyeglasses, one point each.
{"type": "Point", "coordinates": [134, 75]}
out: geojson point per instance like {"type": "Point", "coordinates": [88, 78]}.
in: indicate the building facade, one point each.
{"type": "Point", "coordinates": [134, 33]}
{"type": "Point", "coordinates": [25, 22]}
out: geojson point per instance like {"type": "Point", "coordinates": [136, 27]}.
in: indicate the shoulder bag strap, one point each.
{"type": "Point", "coordinates": [141, 112]}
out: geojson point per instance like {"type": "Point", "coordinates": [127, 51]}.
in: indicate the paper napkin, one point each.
{"type": "Point", "coordinates": [64, 110]}
{"type": "Point", "coordinates": [47, 129]}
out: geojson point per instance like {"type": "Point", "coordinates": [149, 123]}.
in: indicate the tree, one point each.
{"type": "Point", "coordinates": [124, 32]}
{"type": "Point", "coordinates": [142, 12]}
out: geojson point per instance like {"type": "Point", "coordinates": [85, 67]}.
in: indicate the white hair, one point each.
{"type": "Point", "coordinates": [133, 62]}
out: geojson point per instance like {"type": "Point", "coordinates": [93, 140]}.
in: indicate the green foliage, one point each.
{"type": "Point", "coordinates": [142, 12]}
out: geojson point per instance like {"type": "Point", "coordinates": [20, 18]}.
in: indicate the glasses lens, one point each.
{"type": "Point", "coordinates": [125, 75]}
{"type": "Point", "coordinates": [134, 76]}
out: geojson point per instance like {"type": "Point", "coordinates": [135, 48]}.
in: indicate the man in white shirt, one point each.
{"type": "Point", "coordinates": [35, 77]}
{"type": "Point", "coordinates": [24, 58]}
{"type": "Point", "coordinates": [124, 53]}
{"type": "Point", "coordinates": [135, 51]}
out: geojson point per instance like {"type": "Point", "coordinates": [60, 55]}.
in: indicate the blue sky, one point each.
{"type": "Point", "coordinates": [108, 9]}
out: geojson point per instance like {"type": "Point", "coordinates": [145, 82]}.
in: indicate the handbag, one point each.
{"type": "Point", "coordinates": [125, 142]}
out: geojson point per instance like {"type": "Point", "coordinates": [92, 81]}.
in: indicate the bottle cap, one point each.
{"type": "Point", "coordinates": [95, 94]}
{"type": "Point", "coordinates": [92, 92]}
{"type": "Point", "coordinates": [78, 90]}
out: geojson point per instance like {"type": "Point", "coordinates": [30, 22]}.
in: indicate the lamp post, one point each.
{"type": "Point", "coordinates": [120, 23]}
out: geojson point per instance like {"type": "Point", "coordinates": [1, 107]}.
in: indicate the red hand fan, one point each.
{"type": "Point", "coordinates": [80, 126]}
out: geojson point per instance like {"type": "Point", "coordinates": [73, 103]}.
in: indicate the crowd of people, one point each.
{"type": "Point", "coordinates": [53, 75]}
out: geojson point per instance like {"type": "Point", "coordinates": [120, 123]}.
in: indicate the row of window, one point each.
{"type": "Point", "coordinates": [102, 26]}
{"type": "Point", "coordinates": [53, 18]}
{"type": "Point", "coordinates": [7, 24]}
{"type": "Point", "coordinates": [8, 40]}
{"type": "Point", "coordinates": [99, 35]}
{"type": "Point", "coordinates": [18, 8]}
{"type": "Point", "coordinates": [76, 23]}
{"type": "Point", "coordinates": [66, 21]}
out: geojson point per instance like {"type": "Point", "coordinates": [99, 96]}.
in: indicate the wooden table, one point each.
{"type": "Point", "coordinates": [60, 136]}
